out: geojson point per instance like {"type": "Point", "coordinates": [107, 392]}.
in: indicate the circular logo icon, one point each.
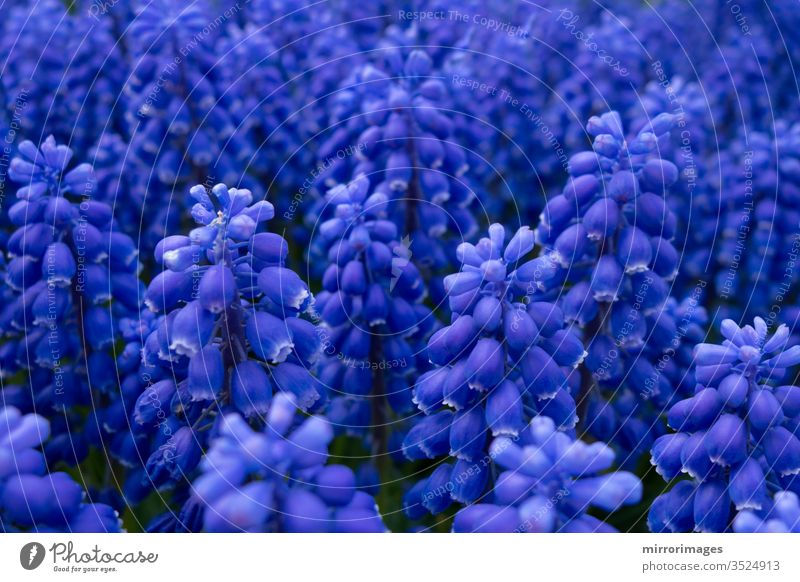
{"type": "Point", "coordinates": [31, 555]}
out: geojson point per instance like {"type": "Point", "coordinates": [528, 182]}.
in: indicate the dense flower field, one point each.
{"type": "Point", "coordinates": [400, 265]}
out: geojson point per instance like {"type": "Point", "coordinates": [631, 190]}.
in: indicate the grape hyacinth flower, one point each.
{"type": "Point", "coordinates": [254, 89]}
{"type": "Point", "coordinates": [735, 436]}
{"type": "Point", "coordinates": [276, 479]}
{"type": "Point", "coordinates": [609, 232]}
{"type": "Point", "coordinates": [504, 359]}
{"type": "Point", "coordinates": [62, 74]}
{"type": "Point", "coordinates": [181, 126]}
{"type": "Point", "coordinates": [760, 214]}
{"type": "Point", "coordinates": [231, 331]}
{"type": "Point", "coordinates": [393, 127]}
{"type": "Point", "coordinates": [31, 498]}
{"type": "Point", "coordinates": [548, 483]}
{"type": "Point", "coordinates": [782, 517]}
{"type": "Point", "coordinates": [374, 321]}
{"type": "Point", "coordinates": [513, 149]}
{"type": "Point", "coordinates": [72, 275]}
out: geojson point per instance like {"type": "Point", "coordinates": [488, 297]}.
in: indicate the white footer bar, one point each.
{"type": "Point", "coordinates": [401, 557]}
